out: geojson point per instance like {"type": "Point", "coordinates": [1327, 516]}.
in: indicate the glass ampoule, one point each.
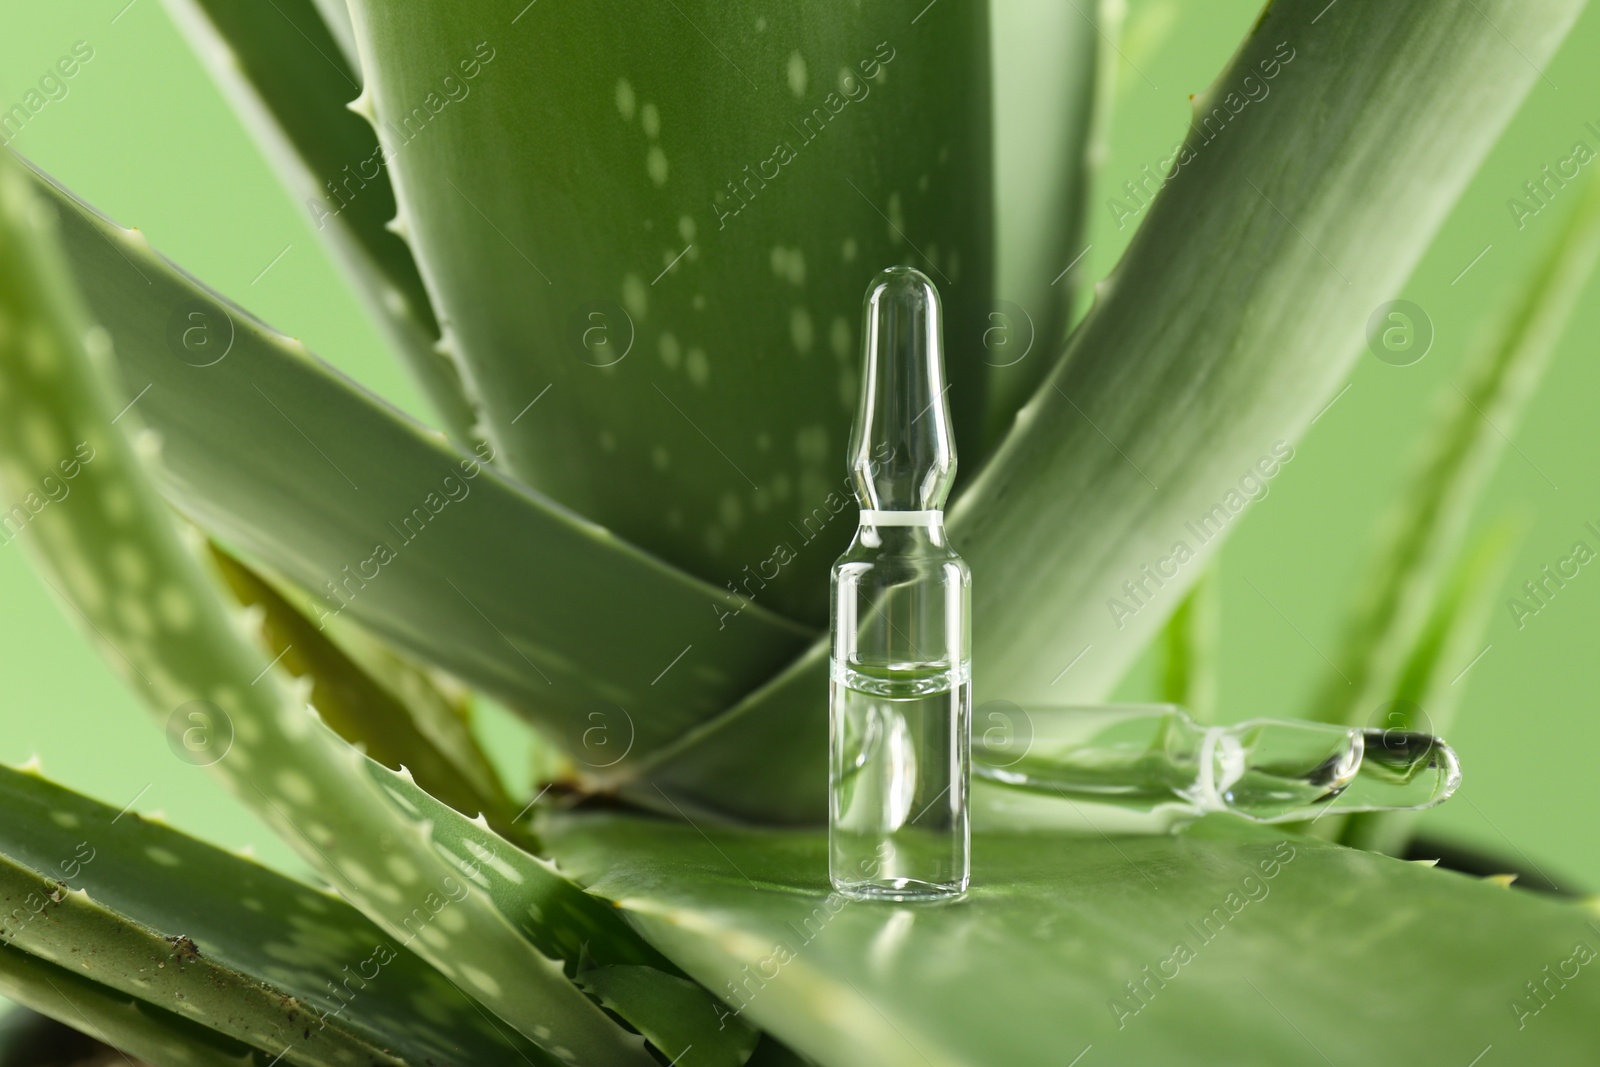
{"type": "Point", "coordinates": [900, 674]}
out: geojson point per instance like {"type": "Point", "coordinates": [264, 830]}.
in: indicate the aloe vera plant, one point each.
{"type": "Point", "coordinates": [620, 250]}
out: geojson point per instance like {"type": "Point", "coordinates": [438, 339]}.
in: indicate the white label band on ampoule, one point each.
{"type": "Point", "coordinates": [901, 518]}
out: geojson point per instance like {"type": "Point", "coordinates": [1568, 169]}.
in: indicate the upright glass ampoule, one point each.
{"type": "Point", "coordinates": [900, 700]}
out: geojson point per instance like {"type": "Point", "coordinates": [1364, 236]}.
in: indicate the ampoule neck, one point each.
{"type": "Point", "coordinates": [879, 532]}
{"type": "Point", "coordinates": [902, 452]}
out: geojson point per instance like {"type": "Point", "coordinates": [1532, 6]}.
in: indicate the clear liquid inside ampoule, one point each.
{"type": "Point", "coordinates": [900, 757]}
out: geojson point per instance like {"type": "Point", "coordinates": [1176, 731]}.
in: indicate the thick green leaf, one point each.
{"type": "Point", "coordinates": [612, 651]}
{"type": "Point", "coordinates": [283, 68]}
{"type": "Point", "coordinates": [112, 1018]}
{"type": "Point", "coordinates": [554, 161]}
{"type": "Point", "coordinates": [1238, 308]}
{"type": "Point", "coordinates": [765, 759]}
{"type": "Point", "coordinates": [1045, 86]}
{"type": "Point", "coordinates": [1464, 441]}
{"type": "Point", "coordinates": [73, 931]}
{"type": "Point", "coordinates": [1226, 945]}
{"type": "Point", "coordinates": [569, 925]}
{"type": "Point", "coordinates": [360, 709]}
{"type": "Point", "coordinates": [336, 16]}
{"type": "Point", "coordinates": [215, 938]}
{"type": "Point", "coordinates": [624, 974]}
{"type": "Point", "coordinates": [681, 1015]}
{"type": "Point", "coordinates": [108, 548]}
{"type": "Point", "coordinates": [439, 703]}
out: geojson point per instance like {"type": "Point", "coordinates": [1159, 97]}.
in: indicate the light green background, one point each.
{"type": "Point", "coordinates": [144, 136]}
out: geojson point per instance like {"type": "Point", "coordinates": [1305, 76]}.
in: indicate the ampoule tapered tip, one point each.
{"type": "Point", "coordinates": [901, 277]}
{"type": "Point", "coordinates": [902, 452]}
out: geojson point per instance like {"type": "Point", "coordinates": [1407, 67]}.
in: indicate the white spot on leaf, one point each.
{"type": "Point", "coordinates": [296, 787]}
{"type": "Point", "coordinates": [697, 366]}
{"type": "Point", "coordinates": [635, 296]}
{"type": "Point", "coordinates": [655, 161]}
{"type": "Point", "coordinates": [797, 74]}
{"type": "Point", "coordinates": [671, 351]}
{"type": "Point", "coordinates": [800, 331]}
{"type": "Point", "coordinates": [484, 983]}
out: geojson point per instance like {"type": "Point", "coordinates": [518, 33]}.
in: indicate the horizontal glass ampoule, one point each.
{"type": "Point", "coordinates": [1154, 758]}
{"type": "Point", "coordinates": [900, 680]}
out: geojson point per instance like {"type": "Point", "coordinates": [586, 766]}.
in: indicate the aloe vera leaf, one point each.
{"type": "Point", "coordinates": [1189, 649]}
{"type": "Point", "coordinates": [357, 708]}
{"type": "Point", "coordinates": [187, 928]}
{"type": "Point", "coordinates": [1469, 432]}
{"type": "Point", "coordinates": [550, 911]}
{"type": "Point", "coordinates": [595, 641]}
{"type": "Point", "coordinates": [146, 604]}
{"type": "Point", "coordinates": [1047, 77]}
{"type": "Point", "coordinates": [1287, 942]}
{"type": "Point", "coordinates": [566, 924]}
{"type": "Point", "coordinates": [108, 1018]}
{"type": "Point", "coordinates": [684, 1019]}
{"type": "Point", "coordinates": [1223, 330]}
{"type": "Point", "coordinates": [336, 16]}
{"type": "Point", "coordinates": [739, 763]}
{"type": "Point", "coordinates": [440, 705]}
{"type": "Point", "coordinates": [285, 71]}
{"type": "Point", "coordinates": [580, 150]}
{"type": "Point", "coordinates": [1432, 684]}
